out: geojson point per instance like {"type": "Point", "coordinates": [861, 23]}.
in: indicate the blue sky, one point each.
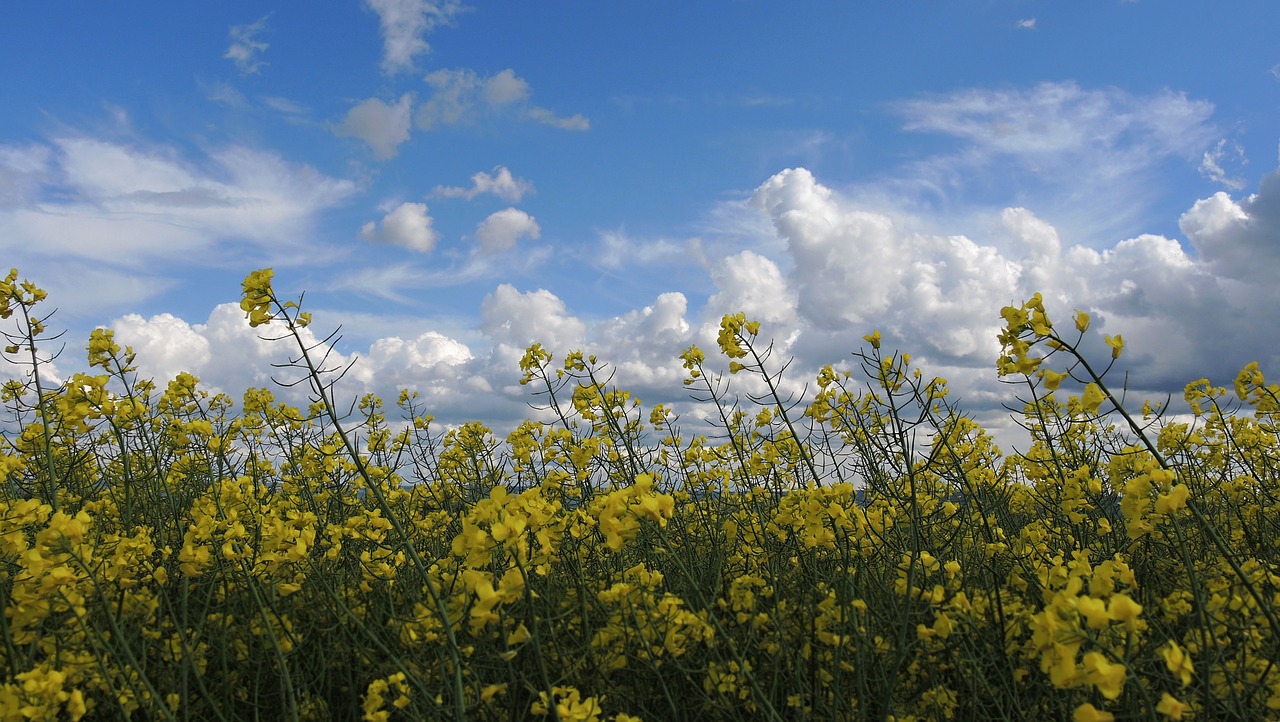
{"type": "Point", "coordinates": [451, 182]}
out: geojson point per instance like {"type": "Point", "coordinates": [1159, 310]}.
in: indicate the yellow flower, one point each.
{"type": "Point", "coordinates": [256, 297]}
{"type": "Point", "coordinates": [1082, 321]}
{"type": "Point", "coordinates": [1094, 610]}
{"type": "Point", "coordinates": [873, 338]}
{"type": "Point", "coordinates": [1092, 398]}
{"type": "Point", "coordinates": [1171, 707]}
{"type": "Point", "coordinates": [1088, 713]}
{"type": "Point", "coordinates": [1106, 676]}
{"type": "Point", "coordinates": [1178, 662]}
{"type": "Point", "coordinates": [1052, 379]}
{"type": "Point", "coordinates": [1123, 609]}
{"type": "Point", "coordinates": [1174, 500]}
{"type": "Point", "coordinates": [1040, 323]}
{"type": "Point", "coordinates": [731, 327]}
{"type": "Point", "coordinates": [569, 705]}
{"type": "Point", "coordinates": [1015, 318]}
{"type": "Point", "coordinates": [75, 705]}
{"type": "Point", "coordinates": [1116, 343]}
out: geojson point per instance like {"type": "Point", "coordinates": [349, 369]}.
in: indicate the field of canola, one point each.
{"type": "Point", "coordinates": [170, 554]}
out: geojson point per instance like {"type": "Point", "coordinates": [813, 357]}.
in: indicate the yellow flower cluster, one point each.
{"type": "Point", "coordinates": [620, 512]}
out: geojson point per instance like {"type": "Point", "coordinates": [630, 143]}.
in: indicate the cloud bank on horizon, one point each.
{"type": "Point", "coordinates": [392, 159]}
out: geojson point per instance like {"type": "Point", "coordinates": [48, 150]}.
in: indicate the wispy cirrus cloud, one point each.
{"type": "Point", "coordinates": [462, 97]}
{"type": "Point", "coordinates": [1057, 143]}
{"type": "Point", "coordinates": [124, 203]}
{"type": "Point", "coordinates": [1223, 154]}
{"type": "Point", "coordinates": [245, 49]}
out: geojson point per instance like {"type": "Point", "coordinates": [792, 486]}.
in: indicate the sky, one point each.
{"type": "Point", "coordinates": [451, 182]}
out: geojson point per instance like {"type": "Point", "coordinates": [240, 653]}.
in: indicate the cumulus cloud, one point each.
{"type": "Point", "coordinates": [408, 226]}
{"type": "Point", "coordinates": [462, 97]}
{"type": "Point", "coordinates": [404, 25]}
{"type": "Point", "coordinates": [1237, 239]}
{"type": "Point", "coordinates": [501, 230]}
{"type": "Point", "coordinates": [384, 127]}
{"type": "Point", "coordinates": [515, 320]}
{"type": "Point", "coordinates": [839, 269]}
{"type": "Point", "coordinates": [855, 268]}
{"type": "Point", "coordinates": [644, 345]}
{"type": "Point", "coordinates": [753, 284]}
{"type": "Point", "coordinates": [663, 322]}
{"type": "Point", "coordinates": [133, 204]}
{"type": "Point", "coordinates": [500, 183]}
{"type": "Point", "coordinates": [245, 46]}
{"type": "Point", "coordinates": [504, 88]}
{"type": "Point", "coordinates": [166, 345]}
{"type": "Point", "coordinates": [431, 364]}
{"type": "Point", "coordinates": [224, 352]}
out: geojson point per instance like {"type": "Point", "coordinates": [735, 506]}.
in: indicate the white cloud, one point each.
{"type": "Point", "coordinates": [389, 282]}
{"type": "Point", "coordinates": [1213, 160]}
{"type": "Point", "coordinates": [130, 205]}
{"type": "Point", "coordinates": [22, 170]}
{"type": "Point", "coordinates": [514, 320]}
{"type": "Point", "coordinates": [225, 94]}
{"type": "Point", "coordinates": [429, 349]}
{"type": "Point", "coordinates": [501, 184]}
{"type": "Point", "coordinates": [284, 105]}
{"type": "Point", "coordinates": [224, 352]}
{"type": "Point", "coordinates": [166, 345]}
{"type": "Point", "coordinates": [753, 284]}
{"type": "Point", "coordinates": [853, 269]}
{"type": "Point", "coordinates": [1091, 159]}
{"type": "Point", "coordinates": [245, 46]}
{"type": "Point", "coordinates": [501, 230]}
{"type": "Point", "coordinates": [1063, 120]}
{"type": "Point", "coordinates": [408, 225]}
{"type": "Point", "coordinates": [663, 322]}
{"type": "Point", "coordinates": [838, 269]}
{"type": "Point", "coordinates": [384, 127]}
{"type": "Point", "coordinates": [644, 346]}
{"type": "Point", "coordinates": [461, 97]}
{"type": "Point", "coordinates": [856, 268]}
{"type": "Point", "coordinates": [618, 250]}
{"type": "Point", "coordinates": [577, 121]}
{"type": "Point", "coordinates": [432, 364]}
{"type": "Point", "coordinates": [404, 23]}
{"type": "Point", "coordinates": [1237, 239]}
{"type": "Point", "coordinates": [1027, 24]}
{"type": "Point", "coordinates": [505, 88]}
